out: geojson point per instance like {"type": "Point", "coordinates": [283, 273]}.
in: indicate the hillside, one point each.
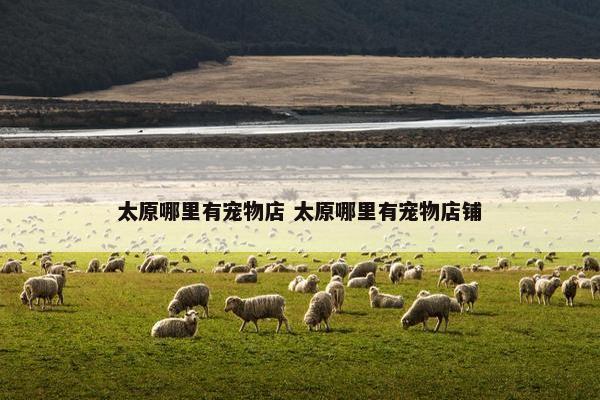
{"type": "Point", "coordinates": [55, 47]}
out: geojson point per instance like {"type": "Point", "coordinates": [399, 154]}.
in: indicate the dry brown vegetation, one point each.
{"type": "Point", "coordinates": [535, 84]}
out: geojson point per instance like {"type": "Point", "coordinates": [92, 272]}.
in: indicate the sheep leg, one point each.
{"type": "Point", "coordinates": [327, 327]}
{"type": "Point", "coordinates": [30, 301]}
{"type": "Point", "coordinates": [61, 299]}
{"type": "Point", "coordinates": [446, 320]}
{"type": "Point", "coordinates": [287, 325]}
{"type": "Point", "coordinates": [255, 325]}
{"type": "Point", "coordinates": [521, 298]}
{"type": "Point", "coordinates": [206, 311]}
{"type": "Point", "coordinates": [243, 326]}
{"type": "Point", "coordinates": [425, 326]}
{"type": "Point", "coordinates": [437, 326]}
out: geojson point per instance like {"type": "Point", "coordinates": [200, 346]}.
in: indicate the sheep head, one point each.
{"type": "Point", "coordinates": [232, 303]}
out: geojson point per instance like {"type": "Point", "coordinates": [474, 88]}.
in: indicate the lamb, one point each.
{"type": "Point", "coordinates": [435, 305]}
{"type": "Point", "coordinates": [319, 310]}
{"type": "Point", "coordinates": [188, 297]}
{"type": "Point", "coordinates": [176, 327]}
{"type": "Point", "coordinates": [308, 285]}
{"type": "Point", "coordinates": [382, 300]}
{"type": "Point", "coordinates": [256, 308]}
{"type": "Point", "coordinates": [591, 264]}
{"type": "Point", "coordinates": [12, 267]}
{"type": "Point", "coordinates": [527, 289]}
{"type": "Point", "coordinates": [61, 280]}
{"type": "Point", "coordinates": [93, 266]}
{"type": "Point", "coordinates": [117, 264]}
{"type": "Point", "coordinates": [569, 289]}
{"type": "Point", "coordinates": [397, 272]}
{"type": "Point", "coordinates": [40, 287]}
{"type": "Point", "coordinates": [503, 263]}
{"type": "Point", "coordinates": [414, 273]}
{"type": "Point", "coordinates": [339, 269]}
{"type": "Point", "coordinates": [361, 282]}
{"type": "Point", "coordinates": [362, 269]}
{"type": "Point", "coordinates": [249, 277]}
{"type": "Point", "coordinates": [595, 285]}
{"type": "Point", "coordinates": [449, 274]}
{"type": "Point", "coordinates": [294, 282]}
{"type": "Point", "coordinates": [466, 293]}
{"type": "Point", "coordinates": [544, 289]}
{"type": "Point", "coordinates": [155, 263]}
{"type": "Point", "coordinates": [336, 289]}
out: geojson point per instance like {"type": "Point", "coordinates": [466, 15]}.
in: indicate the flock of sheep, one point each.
{"type": "Point", "coordinates": [323, 304]}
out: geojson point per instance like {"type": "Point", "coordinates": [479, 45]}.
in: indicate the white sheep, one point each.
{"type": "Point", "coordinates": [591, 264]}
{"type": "Point", "coordinates": [449, 274]}
{"type": "Point", "coordinates": [569, 289]}
{"type": "Point", "coordinates": [294, 282]}
{"type": "Point", "coordinates": [362, 269]}
{"type": "Point", "coordinates": [544, 289]}
{"type": "Point", "coordinates": [319, 310]}
{"type": "Point", "coordinates": [188, 297]}
{"type": "Point", "coordinates": [252, 262]}
{"type": "Point", "coordinates": [527, 289]}
{"type": "Point", "coordinates": [397, 271]}
{"type": "Point", "coordinates": [256, 308]}
{"type": "Point", "coordinates": [383, 300]}
{"type": "Point", "coordinates": [584, 283]}
{"type": "Point", "coordinates": [339, 268]}
{"type": "Point", "coordinates": [595, 285]}
{"type": "Point", "coordinates": [114, 265]}
{"type": "Point", "coordinates": [435, 305]}
{"type": "Point", "coordinates": [176, 327]}
{"type": "Point", "coordinates": [308, 285]}
{"type": "Point", "coordinates": [12, 267]}
{"type": "Point", "coordinates": [336, 289]}
{"type": "Point", "coordinates": [239, 269]}
{"type": "Point", "coordinates": [250, 277]}
{"type": "Point", "coordinates": [503, 263]}
{"type": "Point", "coordinates": [466, 294]}
{"type": "Point", "coordinates": [362, 282]}
{"type": "Point", "coordinates": [41, 287]}
{"type": "Point", "coordinates": [155, 263]}
{"type": "Point", "coordinates": [61, 281]}
{"type": "Point", "coordinates": [93, 266]}
{"type": "Point", "coordinates": [414, 273]}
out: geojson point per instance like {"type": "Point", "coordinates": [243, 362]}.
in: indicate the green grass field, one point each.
{"type": "Point", "coordinates": [98, 344]}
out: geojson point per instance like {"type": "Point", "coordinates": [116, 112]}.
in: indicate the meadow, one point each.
{"type": "Point", "coordinates": [98, 345]}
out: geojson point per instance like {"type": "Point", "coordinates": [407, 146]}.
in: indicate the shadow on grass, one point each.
{"type": "Point", "coordinates": [483, 314]}
{"type": "Point", "coordinates": [58, 310]}
{"type": "Point", "coordinates": [359, 313]}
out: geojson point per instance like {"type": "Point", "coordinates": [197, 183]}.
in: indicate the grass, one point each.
{"type": "Point", "coordinates": [98, 345]}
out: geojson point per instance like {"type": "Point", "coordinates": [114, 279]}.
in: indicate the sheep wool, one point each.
{"type": "Point", "coordinates": [40, 287]}
{"type": "Point", "coordinates": [336, 289]}
{"type": "Point", "coordinates": [250, 277]}
{"type": "Point", "coordinates": [339, 268]}
{"type": "Point", "coordinates": [362, 269]}
{"type": "Point", "coordinates": [397, 271]}
{"type": "Point", "coordinates": [545, 288]}
{"type": "Point", "coordinates": [319, 311]}
{"type": "Point", "coordinates": [308, 285]}
{"type": "Point", "coordinates": [423, 308]}
{"type": "Point", "coordinates": [12, 267]}
{"type": "Point", "coordinates": [382, 300]}
{"type": "Point", "coordinates": [294, 282]}
{"type": "Point", "coordinates": [526, 289]}
{"type": "Point", "coordinates": [449, 274]}
{"type": "Point", "coordinates": [362, 282]}
{"type": "Point", "coordinates": [590, 264]}
{"type": "Point", "coordinates": [60, 281]}
{"type": "Point", "coordinates": [503, 263]}
{"type": "Point", "coordinates": [176, 327]}
{"type": "Point", "coordinates": [569, 289]}
{"type": "Point", "coordinates": [93, 266]}
{"type": "Point", "coordinates": [466, 294]}
{"type": "Point", "coordinates": [114, 265]}
{"type": "Point", "coordinates": [257, 308]}
{"type": "Point", "coordinates": [188, 297]}
{"type": "Point", "coordinates": [155, 263]}
{"type": "Point", "coordinates": [595, 285]}
{"type": "Point", "coordinates": [414, 273]}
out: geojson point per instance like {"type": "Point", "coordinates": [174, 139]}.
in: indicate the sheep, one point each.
{"type": "Point", "coordinates": [93, 266]}
{"type": "Point", "coordinates": [176, 327]}
{"type": "Point", "coordinates": [259, 307]}
{"type": "Point", "coordinates": [249, 277]}
{"type": "Point", "coordinates": [466, 293]}
{"type": "Point", "coordinates": [362, 269]}
{"type": "Point", "coordinates": [591, 264]}
{"type": "Point", "coordinates": [480, 268]}
{"type": "Point", "coordinates": [301, 268]}
{"type": "Point", "coordinates": [503, 263]}
{"type": "Point", "coordinates": [308, 285]}
{"type": "Point", "coordinates": [319, 310]}
{"type": "Point", "coordinates": [435, 305]}
{"type": "Point", "coordinates": [57, 269]}
{"type": "Point", "coordinates": [117, 264]}
{"type": "Point", "coordinates": [279, 268]}
{"type": "Point", "coordinates": [61, 281]}
{"type": "Point", "coordinates": [252, 262]}
{"type": "Point", "coordinates": [12, 267]}
{"type": "Point", "coordinates": [449, 274]}
{"type": "Point", "coordinates": [44, 260]}
{"type": "Point", "coordinates": [294, 282]}
{"type": "Point", "coordinates": [382, 300]}
{"type": "Point", "coordinates": [530, 261]}
{"type": "Point", "coordinates": [584, 283]}
{"type": "Point", "coordinates": [414, 273]}
{"type": "Point", "coordinates": [239, 269]}
{"type": "Point", "coordinates": [155, 263]}
{"type": "Point", "coordinates": [324, 268]}
{"type": "Point", "coordinates": [40, 287]}
{"type": "Point", "coordinates": [595, 285]}
{"type": "Point", "coordinates": [539, 264]}
{"type": "Point", "coordinates": [527, 289]}
{"type": "Point", "coordinates": [176, 270]}
{"type": "Point", "coordinates": [544, 289]}
{"type": "Point", "coordinates": [569, 289]}
{"type": "Point", "coordinates": [423, 293]}
{"type": "Point", "coordinates": [362, 282]}
{"type": "Point", "coordinates": [188, 297]}
{"type": "Point", "coordinates": [339, 268]}
{"type": "Point", "coordinates": [220, 270]}
{"type": "Point", "coordinates": [397, 272]}
{"type": "Point", "coordinates": [336, 289]}
{"type": "Point", "coordinates": [185, 259]}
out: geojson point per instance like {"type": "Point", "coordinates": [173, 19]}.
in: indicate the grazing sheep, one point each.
{"type": "Point", "coordinates": [93, 266]}
{"type": "Point", "coordinates": [308, 285]}
{"type": "Point", "coordinates": [117, 264]}
{"type": "Point", "coordinates": [155, 263]}
{"type": "Point", "coordinates": [40, 287]}
{"type": "Point", "coordinates": [382, 300]}
{"type": "Point", "coordinates": [61, 281]}
{"type": "Point", "coordinates": [339, 268]}
{"type": "Point", "coordinates": [362, 269]}
{"type": "Point", "coordinates": [12, 267]}
{"type": "Point", "coordinates": [188, 297]}
{"type": "Point", "coordinates": [527, 289]}
{"type": "Point", "coordinates": [466, 293]}
{"type": "Point", "coordinates": [539, 264]}
{"type": "Point", "coordinates": [249, 277]}
{"type": "Point", "coordinates": [259, 307]}
{"type": "Point", "coordinates": [176, 327]}
{"type": "Point", "coordinates": [590, 264]}
{"type": "Point", "coordinates": [362, 282]}
{"type": "Point", "coordinates": [185, 259]}
{"type": "Point", "coordinates": [530, 261]}
{"type": "Point", "coordinates": [324, 268]}
{"type": "Point", "coordinates": [414, 273]}
{"type": "Point", "coordinates": [503, 263]}
{"type": "Point", "coordinates": [336, 289]}
{"type": "Point", "coordinates": [569, 289]}
{"type": "Point", "coordinates": [279, 268]}
{"type": "Point", "coordinates": [449, 274]}
{"type": "Point", "coordinates": [595, 285]}
{"type": "Point", "coordinates": [544, 289]}
{"type": "Point", "coordinates": [435, 305]}
{"type": "Point", "coordinates": [319, 310]}
{"type": "Point", "coordinates": [397, 272]}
